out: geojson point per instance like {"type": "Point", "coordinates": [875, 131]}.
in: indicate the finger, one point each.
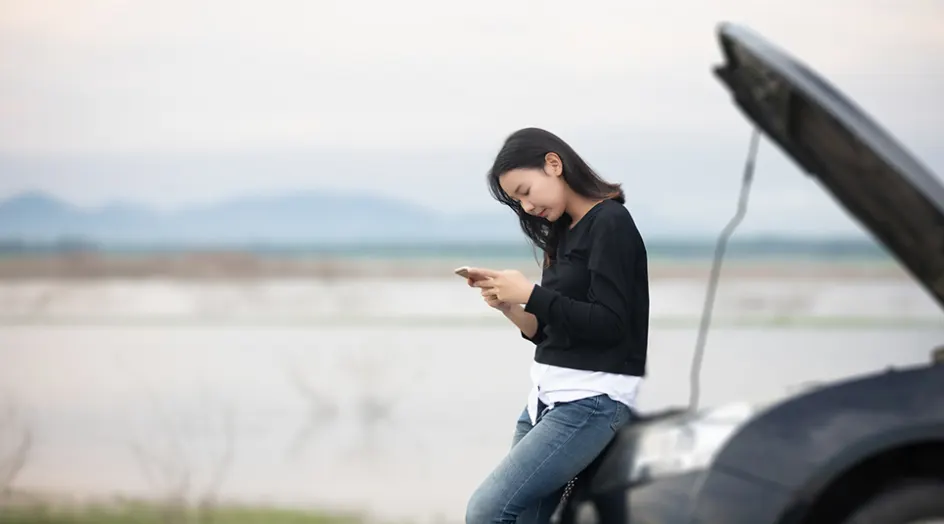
{"type": "Point", "coordinates": [484, 283]}
{"type": "Point", "coordinates": [481, 272]}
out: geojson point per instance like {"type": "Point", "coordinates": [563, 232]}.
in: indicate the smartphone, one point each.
{"type": "Point", "coordinates": [466, 272]}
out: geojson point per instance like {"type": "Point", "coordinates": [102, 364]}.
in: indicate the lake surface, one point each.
{"type": "Point", "coordinates": [398, 407]}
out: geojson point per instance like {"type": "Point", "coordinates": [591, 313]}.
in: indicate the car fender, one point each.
{"type": "Point", "coordinates": [802, 441]}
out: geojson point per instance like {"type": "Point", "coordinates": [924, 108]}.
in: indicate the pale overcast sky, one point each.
{"type": "Point", "coordinates": [171, 103]}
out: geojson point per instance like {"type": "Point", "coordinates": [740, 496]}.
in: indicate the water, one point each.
{"type": "Point", "coordinates": [399, 410]}
{"type": "Point", "coordinates": [675, 300]}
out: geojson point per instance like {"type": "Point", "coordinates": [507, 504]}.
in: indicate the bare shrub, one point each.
{"type": "Point", "coordinates": [186, 458]}
{"type": "Point", "coordinates": [322, 412]}
{"type": "Point", "coordinates": [381, 386]}
{"type": "Point", "coordinates": [16, 442]}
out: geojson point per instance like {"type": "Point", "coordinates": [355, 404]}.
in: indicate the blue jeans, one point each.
{"type": "Point", "coordinates": [526, 486]}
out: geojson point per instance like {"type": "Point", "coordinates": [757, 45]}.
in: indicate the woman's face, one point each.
{"type": "Point", "coordinates": [541, 192]}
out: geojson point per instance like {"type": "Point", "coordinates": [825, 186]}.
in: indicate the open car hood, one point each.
{"type": "Point", "coordinates": [873, 177]}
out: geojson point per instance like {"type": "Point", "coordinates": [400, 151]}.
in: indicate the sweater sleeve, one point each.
{"type": "Point", "coordinates": [539, 335]}
{"type": "Point", "coordinates": [604, 317]}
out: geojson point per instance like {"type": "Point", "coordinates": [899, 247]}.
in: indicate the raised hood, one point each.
{"type": "Point", "coordinates": [873, 177]}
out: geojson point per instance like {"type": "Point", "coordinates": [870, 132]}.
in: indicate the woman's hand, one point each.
{"type": "Point", "coordinates": [508, 286]}
{"type": "Point", "coordinates": [478, 275]}
{"type": "Point", "coordinates": [493, 301]}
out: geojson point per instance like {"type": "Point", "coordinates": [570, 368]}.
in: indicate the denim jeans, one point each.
{"type": "Point", "coordinates": [526, 486]}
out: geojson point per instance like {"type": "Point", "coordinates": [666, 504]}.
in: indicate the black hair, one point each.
{"type": "Point", "coordinates": [527, 148]}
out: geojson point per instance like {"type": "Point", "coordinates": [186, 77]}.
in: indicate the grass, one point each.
{"type": "Point", "coordinates": [142, 513]}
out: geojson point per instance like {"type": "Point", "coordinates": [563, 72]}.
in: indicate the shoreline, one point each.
{"type": "Point", "coordinates": [250, 266]}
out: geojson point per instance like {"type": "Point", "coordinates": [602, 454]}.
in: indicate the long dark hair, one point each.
{"type": "Point", "coordinates": [527, 148]}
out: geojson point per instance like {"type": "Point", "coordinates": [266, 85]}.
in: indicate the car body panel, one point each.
{"type": "Point", "coordinates": [894, 196]}
{"type": "Point", "coordinates": [777, 462]}
{"type": "Point", "coordinates": [805, 442]}
{"type": "Point", "coordinates": [737, 498]}
{"type": "Point", "coordinates": [699, 497]}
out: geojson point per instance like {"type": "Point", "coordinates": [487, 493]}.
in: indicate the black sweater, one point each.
{"type": "Point", "coordinates": [592, 304]}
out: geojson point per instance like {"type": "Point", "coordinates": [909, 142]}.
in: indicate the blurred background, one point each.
{"type": "Point", "coordinates": [228, 229]}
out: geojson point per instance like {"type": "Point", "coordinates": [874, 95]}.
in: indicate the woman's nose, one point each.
{"type": "Point", "coordinates": [527, 206]}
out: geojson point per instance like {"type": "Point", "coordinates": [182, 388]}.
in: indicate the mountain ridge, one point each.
{"type": "Point", "coordinates": [294, 217]}
{"type": "Point", "coordinates": [291, 217]}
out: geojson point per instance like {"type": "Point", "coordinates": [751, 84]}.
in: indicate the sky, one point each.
{"type": "Point", "coordinates": [175, 103]}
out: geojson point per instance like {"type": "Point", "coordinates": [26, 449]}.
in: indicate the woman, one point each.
{"type": "Point", "coordinates": [588, 319]}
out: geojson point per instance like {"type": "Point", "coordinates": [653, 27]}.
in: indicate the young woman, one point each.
{"type": "Point", "coordinates": [588, 319]}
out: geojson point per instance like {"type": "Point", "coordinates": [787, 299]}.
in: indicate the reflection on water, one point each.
{"type": "Point", "coordinates": [400, 420]}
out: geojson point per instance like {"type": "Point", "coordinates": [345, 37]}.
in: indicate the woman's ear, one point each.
{"type": "Point", "coordinates": [553, 165]}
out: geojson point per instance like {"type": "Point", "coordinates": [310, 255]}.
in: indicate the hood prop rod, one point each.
{"type": "Point", "coordinates": [697, 357]}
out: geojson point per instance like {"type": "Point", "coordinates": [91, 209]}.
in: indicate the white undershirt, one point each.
{"type": "Point", "coordinates": [553, 384]}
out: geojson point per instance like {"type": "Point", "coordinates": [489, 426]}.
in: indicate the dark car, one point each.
{"type": "Point", "coordinates": [864, 450]}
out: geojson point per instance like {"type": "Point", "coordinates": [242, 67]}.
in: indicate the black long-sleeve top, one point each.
{"type": "Point", "coordinates": [592, 305]}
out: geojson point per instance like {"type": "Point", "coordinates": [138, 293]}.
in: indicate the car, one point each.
{"type": "Point", "coordinates": [866, 449]}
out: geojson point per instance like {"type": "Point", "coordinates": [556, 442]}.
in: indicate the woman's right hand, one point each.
{"type": "Point", "coordinates": [493, 301]}
{"type": "Point", "coordinates": [490, 299]}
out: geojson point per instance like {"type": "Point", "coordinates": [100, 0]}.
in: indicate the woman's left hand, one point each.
{"type": "Point", "coordinates": [508, 286]}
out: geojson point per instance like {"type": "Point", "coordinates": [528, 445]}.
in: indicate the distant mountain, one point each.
{"type": "Point", "coordinates": [316, 217]}
{"type": "Point", "coordinates": [328, 220]}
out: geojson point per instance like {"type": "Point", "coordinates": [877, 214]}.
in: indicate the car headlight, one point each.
{"type": "Point", "coordinates": [674, 446]}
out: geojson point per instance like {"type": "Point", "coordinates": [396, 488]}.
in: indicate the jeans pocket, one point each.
{"type": "Point", "coordinates": [620, 416]}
